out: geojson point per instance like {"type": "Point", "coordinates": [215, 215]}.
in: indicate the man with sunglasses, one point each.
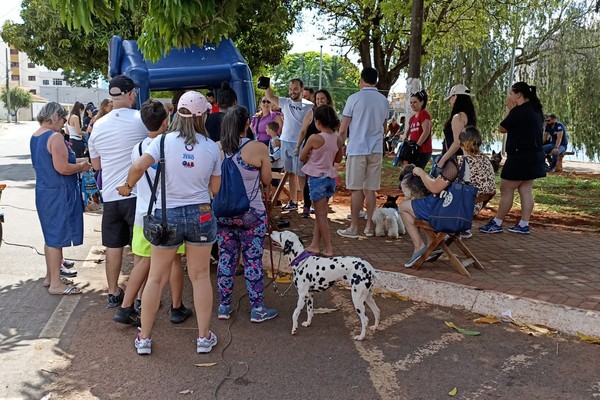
{"type": "Point", "coordinates": [110, 146]}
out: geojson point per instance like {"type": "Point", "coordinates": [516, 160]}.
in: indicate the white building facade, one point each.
{"type": "Point", "coordinates": [43, 84]}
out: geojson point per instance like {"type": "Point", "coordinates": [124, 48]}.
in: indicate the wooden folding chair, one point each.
{"type": "Point", "coordinates": [283, 177]}
{"type": "Point", "coordinates": [438, 239]}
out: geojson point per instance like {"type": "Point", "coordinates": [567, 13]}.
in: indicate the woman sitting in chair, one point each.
{"type": "Point", "coordinates": [480, 173]}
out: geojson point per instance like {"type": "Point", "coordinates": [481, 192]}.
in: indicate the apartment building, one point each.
{"type": "Point", "coordinates": [45, 85]}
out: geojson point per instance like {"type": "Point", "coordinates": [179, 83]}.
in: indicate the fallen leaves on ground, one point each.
{"type": "Point", "coordinates": [205, 364]}
{"type": "Point", "coordinates": [588, 339]}
{"type": "Point", "coordinates": [324, 310]}
{"type": "Point", "coordinates": [453, 392]}
{"type": "Point", "coordinates": [490, 319]}
{"type": "Point", "coordinates": [460, 330]}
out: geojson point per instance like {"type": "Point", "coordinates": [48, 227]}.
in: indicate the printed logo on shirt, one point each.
{"type": "Point", "coordinates": [295, 107]}
{"type": "Point", "coordinates": [189, 147]}
{"type": "Point", "coordinates": [188, 164]}
{"type": "Point", "coordinates": [188, 156]}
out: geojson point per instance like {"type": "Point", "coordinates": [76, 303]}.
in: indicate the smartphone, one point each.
{"type": "Point", "coordinates": [264, 82]}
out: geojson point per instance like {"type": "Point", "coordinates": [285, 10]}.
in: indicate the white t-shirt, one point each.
{"type": "Point", "coordinates": [144, 191]}
{"type": "Point", "coordinates": [293, 115]}
{"type": "Point", "coordinates": [114, 136]}
{"type": "Point", "coordinates": [189, 168]}
{"type": "Point", "coordinates": [368, 109]}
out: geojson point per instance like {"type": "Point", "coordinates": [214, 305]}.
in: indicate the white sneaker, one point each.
{"type": "Point", "coordinates": [361, 214]}
{"type": "Point", "coordinates": [204, 345]}
{"type": "Point", "coordinates": [143, 346]}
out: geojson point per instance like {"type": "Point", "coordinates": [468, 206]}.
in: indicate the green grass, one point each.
{"type": "Point", "coordinates": [565, 195]}
{"type": "Point", "coordinates": [569, 197]}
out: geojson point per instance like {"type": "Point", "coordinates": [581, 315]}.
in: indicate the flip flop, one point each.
{"type": "Point", "coordinates": [69, 290]}
{"type": "Point", "coordinates": [63, 280]}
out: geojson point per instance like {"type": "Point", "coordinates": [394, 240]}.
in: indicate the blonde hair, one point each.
{"type": "Point", "coordinates": [188, 127]}
{"type": "Point", "coordinates": [470, 140]}
{"type": "Point", "coordinates": [48, 112]}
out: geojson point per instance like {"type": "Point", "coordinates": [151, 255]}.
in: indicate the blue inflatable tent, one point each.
{"type": "Point", "coordinates": [191, 68]}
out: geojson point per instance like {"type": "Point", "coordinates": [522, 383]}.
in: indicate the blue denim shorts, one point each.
{"type": "Point", "coordinates": [196, 225]}
{"type": "Point", "coordinates": [422, 207]}
{"type": "Point", "coordinates": [321, 187]}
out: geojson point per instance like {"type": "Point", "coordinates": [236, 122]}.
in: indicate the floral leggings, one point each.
{"type": "Point", "coordinates": [247, 232]}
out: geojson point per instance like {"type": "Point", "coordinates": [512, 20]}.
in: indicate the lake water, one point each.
{"type": "Point", "coordinates": [497, 146]}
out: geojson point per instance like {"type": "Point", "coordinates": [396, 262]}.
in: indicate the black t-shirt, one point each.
{"type": "Point", "coordinates": [311, 130]}
{"type": "Point", "coordinates": [213, 125]}
{"type": "Point", "coordinates": [524, 126]}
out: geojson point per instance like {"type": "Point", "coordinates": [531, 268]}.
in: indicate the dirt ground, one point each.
{"type": "Point", "coordinates": [568, 222]}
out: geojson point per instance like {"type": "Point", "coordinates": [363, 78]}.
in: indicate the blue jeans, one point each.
{"type": "Point", "coordinates": [548, 150]}
{"type": "Point", "coordinates": [195, 224]}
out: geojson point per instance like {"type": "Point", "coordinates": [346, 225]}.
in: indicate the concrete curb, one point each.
{"type": "Point", "coordinates": [565, 319]}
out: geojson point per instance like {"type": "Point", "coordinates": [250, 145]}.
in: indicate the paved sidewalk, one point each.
{"type": "Point", "coordinates": [550, 265]}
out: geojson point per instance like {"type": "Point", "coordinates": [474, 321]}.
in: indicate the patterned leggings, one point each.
{"type": "Point", "coordinates": [248, 232]}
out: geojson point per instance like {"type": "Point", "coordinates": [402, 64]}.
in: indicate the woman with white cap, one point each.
{"type": "Point", "coordinates": [462, 115]}
{"type": "Point", "coordinates": [193, 172]}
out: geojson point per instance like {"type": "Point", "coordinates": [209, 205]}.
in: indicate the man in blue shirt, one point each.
{"type": "Point", "coordinates": [558, 140]}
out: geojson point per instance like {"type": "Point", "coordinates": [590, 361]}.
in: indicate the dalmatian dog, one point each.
{"type": "Point", "coordinates": [313, 273]}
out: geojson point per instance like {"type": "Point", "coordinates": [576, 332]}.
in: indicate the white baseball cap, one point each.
{"type": "Point", "coordinates": [458, 89]}
{"type": "Point", "coordinates": [195, 102]}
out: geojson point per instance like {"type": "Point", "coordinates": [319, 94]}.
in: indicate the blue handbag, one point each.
{"type": "Point", "coordinates": [453, 210]}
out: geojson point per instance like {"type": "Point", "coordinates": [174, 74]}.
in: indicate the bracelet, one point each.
{"type": "Point", "coordinates": [127, 185]}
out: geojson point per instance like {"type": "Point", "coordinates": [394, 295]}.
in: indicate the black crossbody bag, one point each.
{"type": "Point", "coordinates": [156, 231]}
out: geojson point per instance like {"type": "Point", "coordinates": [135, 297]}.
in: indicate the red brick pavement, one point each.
{"type": "Point", "coordinates": [556, 266]}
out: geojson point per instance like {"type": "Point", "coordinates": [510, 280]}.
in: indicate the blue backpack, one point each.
{"type": "Point", "coordinates": [232, 199]}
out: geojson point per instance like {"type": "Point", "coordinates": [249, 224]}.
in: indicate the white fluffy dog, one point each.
{"type": "Point", "coordinates": [387, 219]}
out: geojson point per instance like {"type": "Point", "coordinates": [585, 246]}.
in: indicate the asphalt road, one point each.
{"type": "Point", "coordinates": [69, 347]}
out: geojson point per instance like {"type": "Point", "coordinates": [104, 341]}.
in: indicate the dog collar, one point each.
{"type": "Point", "coordinates": [303, 256]}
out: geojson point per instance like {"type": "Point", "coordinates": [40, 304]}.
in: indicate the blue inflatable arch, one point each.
{"type": "Point", "coordinates": [190, 68]}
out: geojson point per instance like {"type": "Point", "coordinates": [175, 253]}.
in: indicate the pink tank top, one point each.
{"type": "Point", "coordinates": [320, 161]}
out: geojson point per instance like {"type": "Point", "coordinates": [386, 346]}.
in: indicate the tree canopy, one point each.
{"type": "Point", "coordinates": [379, 30]}
{"type": "Point", "coordinates": [19, 98]}
{"type": "Point", "coordinates": [558, 47]}
{"type": "Point", "coordinates": [74, 35]}
{"type": "Point", "coordinates": [340, 77]}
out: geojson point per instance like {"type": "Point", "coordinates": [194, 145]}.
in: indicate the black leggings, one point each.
{"type": "Point", "coordinates": [306, 194]}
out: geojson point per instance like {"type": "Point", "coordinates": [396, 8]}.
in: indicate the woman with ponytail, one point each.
{"type": "Point", "coordinates": [523, 124]}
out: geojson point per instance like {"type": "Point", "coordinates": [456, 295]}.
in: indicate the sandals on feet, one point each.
{"type": "Point", "coordinates": [63, 280]}
{"type": "Point", "coordinates": [69, 290]}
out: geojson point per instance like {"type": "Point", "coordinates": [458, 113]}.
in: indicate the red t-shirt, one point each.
{"type": "Point", "coordinates": [415, 130]}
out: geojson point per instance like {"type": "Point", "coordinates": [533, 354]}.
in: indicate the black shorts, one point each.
{"type": "Point", "coordinates": [117, 223]}
{"type": "Point", "coordinates": [77, 147]}
{"type": "Point", "coordinates": [524, 167]}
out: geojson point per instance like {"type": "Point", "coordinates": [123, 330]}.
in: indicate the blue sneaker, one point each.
{"type": "Point", "coordinates": [261, 314]}
{"type": "Point", "coordinates": [491, 227]}
{"type": "Point", "coordinates": [523, 230]}
{"type": "Point", "coordinates": [415, 257]}
{"type": "Point", "coordinates": [224, 312]}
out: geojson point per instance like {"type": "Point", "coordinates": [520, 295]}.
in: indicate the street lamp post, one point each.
{"type": "Point", "coordinates": [321, 69]}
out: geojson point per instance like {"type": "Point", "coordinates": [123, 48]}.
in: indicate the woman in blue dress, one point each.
{"type": "Point", "coordinates": [57, 195]}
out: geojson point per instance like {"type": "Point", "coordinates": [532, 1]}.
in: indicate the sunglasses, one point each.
{"type": "Point", "coordinates": [265, 102]}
